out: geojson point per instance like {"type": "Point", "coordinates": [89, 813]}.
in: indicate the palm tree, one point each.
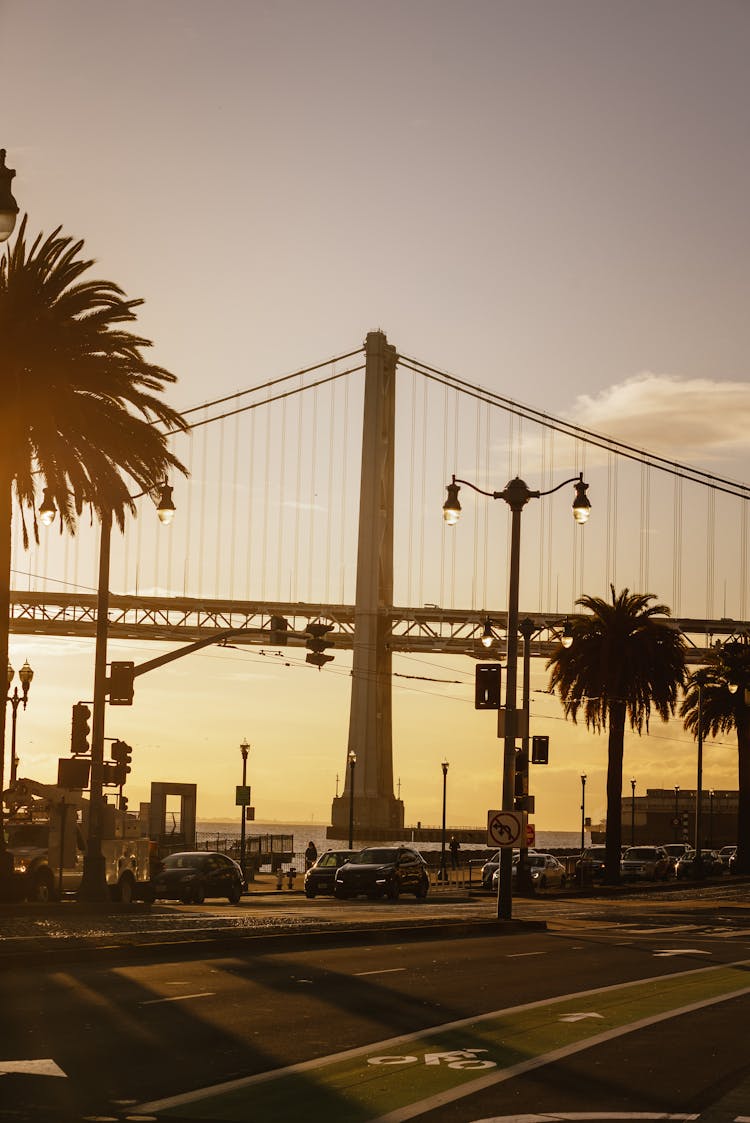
{"type": "Point", "coordinates": [623, 661]}
{"type": "Point", "coordinates": [79, 412]}
{"type": "Point", "coordinates": [718, 697]}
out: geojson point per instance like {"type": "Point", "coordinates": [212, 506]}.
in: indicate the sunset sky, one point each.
{"type": "Point", "coordinates": [546, 199]}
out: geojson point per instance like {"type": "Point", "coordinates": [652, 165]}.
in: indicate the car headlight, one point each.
{"type": "Point", "coordinates": [19, 865]}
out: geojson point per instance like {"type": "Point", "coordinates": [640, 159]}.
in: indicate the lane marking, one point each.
{"type": "Point", "coordinates": [178, 998]}
{"type": "Point", "coordinates": [579, 1017]}
{"type": "Point", "coordinates": [590, 1116]}
{"type": "Point", "coordinates": [522, 1038]}
{"type": "Point", "coordinates": [667, 952]}
{"type": "Point", "coordinates": [524, 954]}
{"type": "Point", "coordinates": [384, 971]}
{"type": "Point", "coordinates": [34, 1068]}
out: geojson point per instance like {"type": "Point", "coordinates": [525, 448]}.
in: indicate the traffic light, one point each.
{"type": "Point", "coordinates": [316, 644]}
{"type": "Point", "coordinates": [540, 750]}
{"type": "Point", "coordinates": [521, 792]}
{"type": "Point", "coordinates": [122, 755]}
{"type": "Point", "coordinates": [79, 734]}
{"type": "Point", "coordinates": [279, 629]}
{"type": "Point", "coordinates": [487, 686]}
{"type": "Point", "coordinates": [121, 683]}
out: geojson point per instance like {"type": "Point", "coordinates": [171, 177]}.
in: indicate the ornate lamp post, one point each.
{"type": "Point", "coordinates": [8, 205]}
{"type": "Point", "coordinates": [244, 749]}
{"type": "Point", "coordinates": [444, 765]}
{"type": "Point", "coordinates": [94, 880]}
{"type": "Point", "coordinates": [632, 812]}
{"type": "Point", "coordinates": [352, 765]}
{"type": "Point", "coordinates": [25, 675]}
{"type": "Point", "coordinates": [516, 494]}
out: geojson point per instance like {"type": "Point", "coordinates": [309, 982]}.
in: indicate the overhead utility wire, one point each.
{"type": "Point", "coordinates": [272, 383]}
{"type": "Point", "coordinates": [608, 444]}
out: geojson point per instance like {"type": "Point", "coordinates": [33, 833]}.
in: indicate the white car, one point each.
{"type": "Point", "coordinates": [546, 871]}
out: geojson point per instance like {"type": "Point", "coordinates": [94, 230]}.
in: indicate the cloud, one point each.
{"type": "Point", "coordinates": [687, 418]}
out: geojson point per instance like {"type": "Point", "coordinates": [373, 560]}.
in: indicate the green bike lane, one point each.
{"type": "Point", "coordinates": [402, 1077]}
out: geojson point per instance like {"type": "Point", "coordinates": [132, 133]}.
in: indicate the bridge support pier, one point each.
{"type": "Point", "coordinates": [377, 812]}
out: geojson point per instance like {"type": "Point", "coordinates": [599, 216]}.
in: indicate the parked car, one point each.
{"type": "Point", "coordinates": [710, 861]}
{"type": "Point", "coordinates": [675, 851]}
{"type": "Point", "coordinates": [192, 876]}
{"type": "Point", "coordinates": [321, 876]}
{"type": "Point", "coordinates": [488, 869]}
{"type": "Point", "coordinates": [546, 871]}
{"type": "Point", "coordinates": [726, 853]}
{"type": "Point", "coordinates": [383, 871]}
{"type": "Point", "coordinates": [645, 863]}
{"type": "Point", "coordinates": [591, 862]}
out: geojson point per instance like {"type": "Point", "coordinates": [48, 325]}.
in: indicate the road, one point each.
{"type": "Point", "coordinates": [617, 1009]}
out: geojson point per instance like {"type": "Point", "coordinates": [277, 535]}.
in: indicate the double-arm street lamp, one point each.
{"type": "Point", "coordinates": [516, 494]}
{"type": "Point", "coordinates": [8, 205]}
{"type": "Point", "coordinates": [25, 675]}
{"type": "Point", "coordinates": [352, 758]}
{"type": "Point", "coordinates": [94, 879]}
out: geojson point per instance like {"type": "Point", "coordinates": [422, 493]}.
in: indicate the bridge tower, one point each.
{"type": "Point", "coordinates": [376, 809]}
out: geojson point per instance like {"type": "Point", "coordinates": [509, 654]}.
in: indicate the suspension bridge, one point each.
{"type": "Point", "coordinates": [316, 497]}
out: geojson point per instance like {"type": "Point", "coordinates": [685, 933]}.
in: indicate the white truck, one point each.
{"type": "Point", "coordinates": [46, 829]}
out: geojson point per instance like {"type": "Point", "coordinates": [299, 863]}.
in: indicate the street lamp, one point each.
{"type": "Point", "coordinates": [488, 636]}
{"type": "Point", "coordinates": [632, 812]}
{"type": "Point", "coordinates": [711, 819]}
{"type": "Point", "coordinates": [444, 766]}
{"type": "Point", "coordinates": [244, 749]}
{"type": "Point", "coordinates": [8, 205]}
{"type": "Point", "coordinates": [583, 811]}
{"type": "Point", "coordinates": [516, 494]}
{"type": "Point", "coordinates": [25, 675]}
{"type": "Point", "coordinates": [94, 879]}
{"type": "Point", "coordinates": [676, 812]}
{"type": "Point", "coordinates": [352, 764]}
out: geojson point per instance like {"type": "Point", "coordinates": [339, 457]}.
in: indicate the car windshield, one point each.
{"type": "Point", "coordinates": [374, 857]}
{"type": "Point", "coordinates": [640, 854]}
{"type": "Point", "coordinates": [334, 859]}
{"type": "Point", "coordinates": [183, 861]}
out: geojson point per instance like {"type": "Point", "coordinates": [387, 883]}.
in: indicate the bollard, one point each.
{"type": "Point", "coordinates": [291, 874]}
{"type": "Point", "coordinates": [279, 878]}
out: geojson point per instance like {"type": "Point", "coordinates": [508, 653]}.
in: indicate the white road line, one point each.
{"type": "Point", "coordinates": [589, 1117]}
{"type": "Point", "coordinates": [385, 971]}
{"type": "Point", "coordinates": [178, 998]}
{"type": "Point", "coordinates": [524, 954]}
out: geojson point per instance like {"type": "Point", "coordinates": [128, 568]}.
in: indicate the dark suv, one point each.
{"type": "Point", "coordinates": [383, 871]}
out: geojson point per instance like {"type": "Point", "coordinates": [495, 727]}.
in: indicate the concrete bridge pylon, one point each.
{"type": "Point", "coordinates": [377, 812]}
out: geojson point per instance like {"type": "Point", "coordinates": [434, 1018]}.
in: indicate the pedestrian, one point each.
{"type": "Point", "coordinates": [455, 846]}
{"type": "Point", "coordinates": [311, 854]}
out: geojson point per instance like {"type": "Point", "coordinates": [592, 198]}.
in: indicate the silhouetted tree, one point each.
{"type": "Point", "coordinates": [624, 660]}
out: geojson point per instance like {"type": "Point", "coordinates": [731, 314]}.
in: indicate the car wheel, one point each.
{"type": "Point", "coordinates": [42, 888]}
{"type": "Point", "coordinates": [340, 894]}
{"type": "Point", "coordinates": [198, 895]}
{"type": "Point", "coordinates": [394, 890]}
{"type": "Point", "coordinates": [421, 891]}
{"type": "Point", "coordinates": [543, 882]}
{"type": "Point", "coordinates": [309, 893]}
{"type": "Point", "coordinates": [235, 896]}
{"type": "Point", "coordinates": [563, 881]}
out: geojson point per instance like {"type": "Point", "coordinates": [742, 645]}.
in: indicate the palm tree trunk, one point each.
{"type": "Point", "coordinates": [6, 514]}
{"type": "Point", "coordinates": [743, 783]}
{"type": "Point", "coordinates": [614, 792]}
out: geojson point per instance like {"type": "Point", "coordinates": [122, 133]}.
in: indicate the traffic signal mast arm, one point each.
{"type": "Point", "coordinates": [207, 641]}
